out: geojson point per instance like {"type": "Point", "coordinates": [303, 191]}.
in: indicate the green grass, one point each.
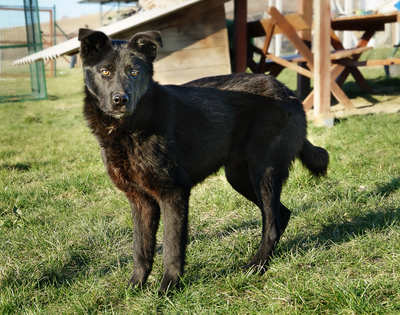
{"type": "Point", "coordinates": [66, 231]}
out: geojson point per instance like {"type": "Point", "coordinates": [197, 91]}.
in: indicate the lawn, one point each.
{"type": "Point", "coordinates": [66, 231]}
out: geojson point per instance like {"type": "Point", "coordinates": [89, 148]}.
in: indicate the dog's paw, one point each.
{"type": "Point", "coordinates": [168, 284]}
{"type": "Point", "coordinates": [257, 268]}
{"type": "Point", "coordinates": [137, 280]}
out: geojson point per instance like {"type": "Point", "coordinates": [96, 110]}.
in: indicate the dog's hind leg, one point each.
{"type": "Point", "coordinates": [267, 183]}
{"type": "Point", "coordinates": [239, 178]}
{"type": "Point", "coordinates": [146, 217]}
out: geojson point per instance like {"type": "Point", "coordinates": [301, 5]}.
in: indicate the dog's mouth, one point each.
{"type": "Point", "coordinates": [120, 113]}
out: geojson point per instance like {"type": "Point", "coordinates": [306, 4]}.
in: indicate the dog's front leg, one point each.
{"type": "Point", "coordinates": [175, 217]}
{"type": "Point", "coordinates": [146, 217]}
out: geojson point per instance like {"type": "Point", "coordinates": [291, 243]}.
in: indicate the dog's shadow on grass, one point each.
{"type": "Point", "coordinates": [21, 167]}
{"type": "Point", "coordinates": [78, 267]}
{"type": "Point", "coordinates": [337, 232]}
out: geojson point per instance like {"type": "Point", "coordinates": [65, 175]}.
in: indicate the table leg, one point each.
{"type": "Point", "coordinates": [337, 92]}
{"type": "Point", "coordinates": [353, 70]}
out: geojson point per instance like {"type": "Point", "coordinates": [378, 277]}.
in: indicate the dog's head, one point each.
{"type": "Point", "coordinates": [117, 73]}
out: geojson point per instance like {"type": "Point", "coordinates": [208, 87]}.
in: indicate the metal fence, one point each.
{"type": "Point", "coordinates": [20, 36]}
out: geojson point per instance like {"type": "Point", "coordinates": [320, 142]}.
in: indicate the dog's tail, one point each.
{"type": "Point", "coordinates": [316, 159]}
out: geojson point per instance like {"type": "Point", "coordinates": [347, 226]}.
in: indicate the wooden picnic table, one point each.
{"type": "Point", "coordinates": [289, 25]}
{"type": "Point", "coordinates": [331, 67]}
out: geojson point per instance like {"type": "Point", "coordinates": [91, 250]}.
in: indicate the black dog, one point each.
{"type": "Point", "coordinates": [157, 142]}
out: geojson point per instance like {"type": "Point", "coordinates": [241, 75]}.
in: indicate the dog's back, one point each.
{"type": "Point", "coordinates": [235, 117]}
{"type": "Point", "coordinates": [267, 107]}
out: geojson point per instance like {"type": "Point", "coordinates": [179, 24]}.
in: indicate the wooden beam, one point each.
{"type": "Point", "coordinates": [336, 90]}
{"type": "Point", "coordinates": [322, 80]}
{"type": "Point", "coordinates": [363, 42]}
{"type": "Point", "coordinates": [291, 35]}
{"type": "Point", "coordinates": [372, 63]}
{"type": "Point", "coordinates": [303, 83]}
{"type": "Point", "coordinates": [259, 28]}
{"type": "Point", "coordinates": [240, 37]}
{"type": "Point", "coordinates": [374, 22]}
{"type": "Point", "coordinates": [290, 65]}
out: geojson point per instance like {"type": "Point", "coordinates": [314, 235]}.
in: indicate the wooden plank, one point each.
{"type": "Point", "coordinates": [259, 28]}
{"type": "Point", "coordinates": [363, 42]}
{"type": "Point", "coordinates": [185, 22]}
{"type": "Point", "coordinates": [304, 83]}
{"type": "Point", "coordinates": [180, 76]}
{"type": "Point", "coordinates": [275, 69]}
{"type": "Point", "coordinates": [173, 43]}
{"type": "Point", "coordinates": [199, 24]}
{"type": "Point", "coordinates": [335, 71]}
{"type": "Point", "coordinates": [308, 102]}
{"type": "Point", "coordinates": [377, 62]}
{"type": "Point", "coordinates": [341, 97]}
{"type": "Point", "coordinates": [365, 22]}
{"type": "Point", "coordinates": [290, 65]}
{"type": "Point", "coordinates": [267, 42]}
{"type": "Point", "coordinates": [176, 17]}
{"type": "Point", "coordinates": [334, 55]}
{"type": "Point", "coordinates": [191, 59]}
{"type": "Point", "coordinates": [359, 78]}
{"type": "Point", "coordinates": [322, 82]}
{"type": "Point", "coordinates": [191, 45]}
{"type": "Point", "coordinates": [305, 9]}
{"type": "Point", "coordinates": [340, 54]}
{"type": "Point", "coordinates": [335, 41]}
{"type": "Point", "coordinates": [291, 34]}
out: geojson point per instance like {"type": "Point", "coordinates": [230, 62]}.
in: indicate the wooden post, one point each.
{"type": "Point", "coordinates": [303, 83]}
{"type": "Point", "coordinates": [240, 37]}
{"type": "Point", "coordinates": [322, 63]}
{"type": "Point", "coordinates": [53, 42]}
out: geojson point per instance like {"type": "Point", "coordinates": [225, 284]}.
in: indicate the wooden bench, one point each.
{"type": "Point", "coordinates": [290, 61]}
{"type": "Point", "coordinates": [377, 62]}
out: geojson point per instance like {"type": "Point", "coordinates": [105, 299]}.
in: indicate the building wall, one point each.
{"type": "Point", "coordinates": [195, 43]}
{"type": "Point", "coordinates": [194, 47]}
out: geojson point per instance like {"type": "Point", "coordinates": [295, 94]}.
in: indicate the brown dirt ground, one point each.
{"type": "Point", "coordinates": [363, 107]}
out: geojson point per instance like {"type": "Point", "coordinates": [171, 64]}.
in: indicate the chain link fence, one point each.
{"type": "Point", "coordinates": [20, 36]}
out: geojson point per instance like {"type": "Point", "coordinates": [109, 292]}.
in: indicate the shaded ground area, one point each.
{"type": "Point", "coordinates": [384, 98]}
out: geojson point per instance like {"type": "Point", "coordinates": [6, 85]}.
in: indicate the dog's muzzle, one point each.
{"type": "Point", "coordinates": [120, 99]}
{"type": "Point", "coordinates": [122, 107]}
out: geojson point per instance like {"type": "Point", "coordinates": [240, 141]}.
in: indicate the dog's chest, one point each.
{"type": "Point", "coordinates": [139, 164]}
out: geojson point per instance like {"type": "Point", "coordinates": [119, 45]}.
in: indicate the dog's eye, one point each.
{"type": "Point", "coordinates": [105, 72]}
{"type": "Point", "coordinates": [134, 72]}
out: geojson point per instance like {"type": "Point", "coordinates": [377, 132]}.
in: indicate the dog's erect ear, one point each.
{"type": "Point", "coordinates": [146, 43]}
{"type": "Point", "coordinates": [92, 42]}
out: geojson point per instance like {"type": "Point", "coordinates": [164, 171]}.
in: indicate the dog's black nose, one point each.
{"type": "Point", "coordinates": [120, 99]}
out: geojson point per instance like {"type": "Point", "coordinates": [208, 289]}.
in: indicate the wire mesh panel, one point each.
{"type": "Point", "coordinates": [20, 36]}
